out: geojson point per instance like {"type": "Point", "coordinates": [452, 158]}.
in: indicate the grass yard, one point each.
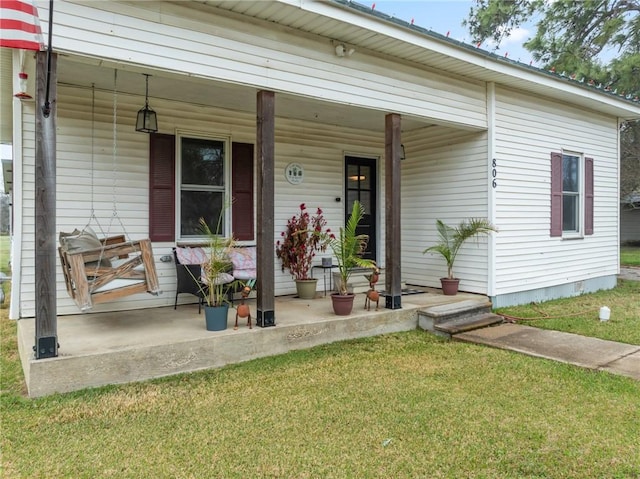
{"type": "Point", "coordinates": [404, 405]}
{"type": "Point", "coordinates": [630, 255]}
{"type": "Point", "coordinates": [397, 406]}
{"type": "Point", "coordinates": [580, 315]}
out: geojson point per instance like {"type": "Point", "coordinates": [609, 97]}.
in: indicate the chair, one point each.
{"type": "Point", "coordinates": [97, 270]}
{"type": "Point", "coordinates": [188, 278]}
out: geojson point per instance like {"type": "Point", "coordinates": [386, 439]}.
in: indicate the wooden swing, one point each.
{"type": "Point", "coordinates": [99, 270]}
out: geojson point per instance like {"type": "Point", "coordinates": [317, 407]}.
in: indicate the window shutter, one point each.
{"type": "Point", "coordinates": [242, 191]}
{"type": "Point", "coordinates": [588, 196]}
{"type": "Point", "coordinates": [162, 187]}
{"type": "Point", "coordinates": [556, 194]}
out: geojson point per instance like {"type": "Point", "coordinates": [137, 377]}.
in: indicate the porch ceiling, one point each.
{"type": "Point", "coordinates": [176, 87]}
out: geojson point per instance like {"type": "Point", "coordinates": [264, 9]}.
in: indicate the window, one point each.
{"type": "Point", "coordinates": [571, 195]}
{"type": "Point", "coordinates": [202, 169]}
{"type": "Point", "coordinates": [203, 180]}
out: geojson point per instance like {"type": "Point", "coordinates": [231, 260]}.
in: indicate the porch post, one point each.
{"type": "Point", "coordinates": [392, 153]}
{"type": "Point", "coordinates": [265, 191]}
{"type": "Point", "coordinates": [45, 210]}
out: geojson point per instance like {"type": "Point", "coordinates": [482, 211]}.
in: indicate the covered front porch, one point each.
{"type": "Point", "coordinates": [127, 346]}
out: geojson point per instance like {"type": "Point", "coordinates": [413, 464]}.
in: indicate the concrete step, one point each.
{"type": "Point", "coordinates": [456, 326]}
{"type": "Point", "coordinates": [448, 319]}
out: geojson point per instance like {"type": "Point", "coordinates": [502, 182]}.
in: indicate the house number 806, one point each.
{"type": "Point", "coordinates": [494, 173]}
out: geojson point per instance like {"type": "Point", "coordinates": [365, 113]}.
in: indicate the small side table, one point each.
{"type": "Point", "coordinates": [324, 275]}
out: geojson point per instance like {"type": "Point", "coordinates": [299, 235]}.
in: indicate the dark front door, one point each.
{"type": "Point", "coordinates": [361, 183]}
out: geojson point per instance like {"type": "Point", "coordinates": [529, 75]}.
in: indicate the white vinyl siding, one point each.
{"type": "Point", "coordinates": [177, 38]}
{"type": "Point", "coordinates": [443, 177]}
{"type": "Point", "coordinates": [527, 130]}
{"type": "Point", "coordinates": [319, 148]}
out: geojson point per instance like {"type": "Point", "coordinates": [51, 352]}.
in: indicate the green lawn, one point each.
{"type": "Point", "coordinates": [630, 255]}
{"type": "Point", "coordinates": [406, 405]}
{"type": "Point", "coordinates": [580, 315]}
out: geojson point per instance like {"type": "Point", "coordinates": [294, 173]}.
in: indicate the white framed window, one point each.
{"type": "Point", "coordinates": [572, 193]}
{"type": "Point", "coordinates": [203, 183]}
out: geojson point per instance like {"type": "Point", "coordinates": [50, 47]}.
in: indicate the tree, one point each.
{"type": "Point", "coordinates": [597, 40]}
{"type": "Point", "coordinates": [630, 168]}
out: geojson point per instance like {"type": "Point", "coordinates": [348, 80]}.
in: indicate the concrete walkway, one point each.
{"type": "Point", "coordinates": [630, 272]}
{"type": "Point", "coordinates": [591, 353]}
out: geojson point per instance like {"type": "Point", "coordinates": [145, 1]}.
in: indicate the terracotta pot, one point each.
{"type": "Point", "coordinates": [306, 288]}
{"type": "Point", "coordinates": [449, 286]}
{"type": "Point", "coordinates": [342, 304]}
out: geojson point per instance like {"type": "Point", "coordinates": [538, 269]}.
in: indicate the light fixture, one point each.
{"type": "Point", "coordinates": [343, 51]}
{"type": "Point", "coordinates": [147, 121]}
{"type": "Point", "coordinates": [403, 155]}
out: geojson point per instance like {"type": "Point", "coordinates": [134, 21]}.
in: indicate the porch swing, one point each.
{"type": "Point", "coordinates": [100, 270]}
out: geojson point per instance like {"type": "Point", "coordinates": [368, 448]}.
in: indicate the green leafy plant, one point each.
{"type": "Point", "coordinates": [452, 238]}
{"type": "Point", "coordinates": [348, 248]}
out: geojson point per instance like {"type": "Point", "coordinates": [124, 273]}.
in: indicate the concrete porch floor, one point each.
{"type": "Point", "coordinates": [127, 346]}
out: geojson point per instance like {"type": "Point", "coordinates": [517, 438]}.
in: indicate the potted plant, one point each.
{"type": "Point", "coordinates": [216, 279]}
{"type": "Point", "coordinates": [348, 248]}
{"type": "Point", "coordinates": [451, 239]}
{"type": "Point", "coordinates": [304, 236]}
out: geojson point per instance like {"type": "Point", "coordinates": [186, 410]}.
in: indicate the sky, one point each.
{"type": "Point", "coordinates": [444, 16]}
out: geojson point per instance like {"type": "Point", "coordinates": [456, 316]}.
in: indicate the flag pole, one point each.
{"type": "Point", "coordinates": [46, 108]}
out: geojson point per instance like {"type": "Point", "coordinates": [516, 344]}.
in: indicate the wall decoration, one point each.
{"type": "Point", "coordinates": [294, 173]}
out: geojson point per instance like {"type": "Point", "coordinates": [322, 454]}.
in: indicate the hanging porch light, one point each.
{"type": "Point", "coordinates": [147, 122]}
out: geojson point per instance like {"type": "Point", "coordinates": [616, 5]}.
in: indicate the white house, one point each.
{"type": "Point", "coordinates": [417, 126]}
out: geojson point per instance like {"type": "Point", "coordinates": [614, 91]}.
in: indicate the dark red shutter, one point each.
{"type": "Point", "coordinates": [242, 191]}
{"type": "Point", "coordinates": [162, 187]}
{"type": "Point", "coordinates": [556, 194]}
{"type": "Point", "coordinates": [588, 196]}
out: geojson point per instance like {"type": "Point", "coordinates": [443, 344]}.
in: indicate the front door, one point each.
{"type": "Point", "coordinates": [361, 184]}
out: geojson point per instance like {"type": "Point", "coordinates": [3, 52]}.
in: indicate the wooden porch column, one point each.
{"type": "Point", "coordinates": [45, 211]}
{"type": "Point", "coordinates": [392, 153]}
{"type": "Point", "coordinates": [265, 192]}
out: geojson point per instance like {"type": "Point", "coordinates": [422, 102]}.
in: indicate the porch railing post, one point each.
{"type": "Point", "coordinates": [46, 324]}
{"type": "Point", "coordinates": [266, 200]}
{"type": "Point", "coordinates": [392, 153]}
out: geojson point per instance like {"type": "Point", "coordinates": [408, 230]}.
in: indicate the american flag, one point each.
{"type": "Point", "coordinates": [20, 25]}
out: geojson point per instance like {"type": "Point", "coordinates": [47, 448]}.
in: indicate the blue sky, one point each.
{"type": "Point", "coordinates": [444, 16]}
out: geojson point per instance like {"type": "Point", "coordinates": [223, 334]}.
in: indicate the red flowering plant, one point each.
{"type": "Point", "coordinates": [305, 235]}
